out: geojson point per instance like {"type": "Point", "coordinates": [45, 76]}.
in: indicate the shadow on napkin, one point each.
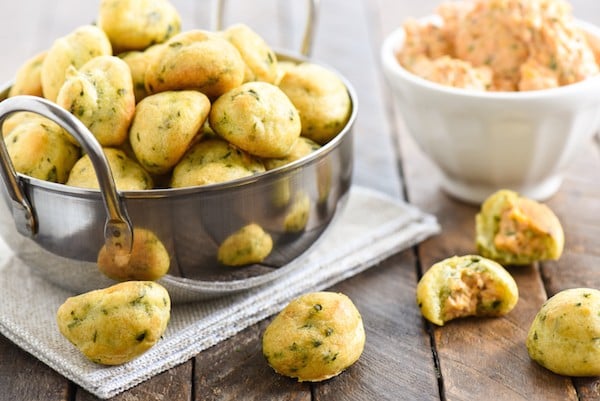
{"type": "Point", "coordinates": [372, 227]}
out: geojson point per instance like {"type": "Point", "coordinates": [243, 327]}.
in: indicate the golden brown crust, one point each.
{"type": "Point", "coordinates": [260, 59]}
{"type": "Point", "coordinates": [138, 24]}
{"type": "Point", "coordinates": [198, 60]}
{"type": "Point", "coordinates": [114, 325]}
{"type": "Point", "coordinates": [26, 117]}
{"type": "Point", "coordinates": [302, 147]}
{"type": "Point", "coordinates": [164, 127]}
{"type": "Point", "coordinates": [250, 244]}
{"type": "Point", "coordinates": [28, 80]}
{"type": "Point", "coordinates": [564, 335]}
{"type": "Point", "coordinates": [463, 286]}
{"type": "Point", "coordinates": [149, 259]}
{"type": "Point", "coordinates": [100, 94]}
{"type": "Point", "coordinates": [138, 62]}
{"type": "Point", "coordinates": [258, 118]}
{"type": "Point", "coordinates": [315, 337]}
{"type": "Point", "coordinates": [211, 161]}
{"type": "Point", "coordinates": [74, 49]}
{"type": "Point", "coordinates": [126, 172]}
{"type": "Point", "coordinates": [515, 230]}
{"type": "Point", "coordinates": [298, 214]}
{"type": "Point", "coordinates": [39, 148]}
{"type": "Point", "coordinates": [283, 66]}
{"type": "Point", "coordinates": [321, 99]}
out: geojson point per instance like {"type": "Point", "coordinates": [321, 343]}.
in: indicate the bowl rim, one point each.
{"type": "Point", "coordinates": [394, 41]}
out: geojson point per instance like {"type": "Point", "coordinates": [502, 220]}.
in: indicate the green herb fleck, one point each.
{"type": "Point", "coordinates": [254, 94]}
{"type": "Point", "coordinates": [140, 337]}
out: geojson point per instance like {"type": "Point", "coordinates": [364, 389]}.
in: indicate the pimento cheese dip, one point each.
{"type": "Point", "coordinates": [500, 45]}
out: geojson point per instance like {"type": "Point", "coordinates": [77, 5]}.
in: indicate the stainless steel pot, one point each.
{"type": "Point", "coordinates": [58, 230]}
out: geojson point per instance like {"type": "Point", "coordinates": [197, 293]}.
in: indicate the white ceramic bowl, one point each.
{"type": "Point", "coordinates": [484, 141]}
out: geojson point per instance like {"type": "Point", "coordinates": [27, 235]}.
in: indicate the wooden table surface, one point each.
{"type": "Point", "coordinates": [404, 358]}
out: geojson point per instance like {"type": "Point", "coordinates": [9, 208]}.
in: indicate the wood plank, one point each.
{"type": "Point", "coordinates": [459, 352]}
{"type": "Point", "coordinates": [236, 369]}
{"type": "Point", "coordinates": [396, 363]}
{"type": "Point", "coordinates": [377, 168]}
{"type": "Point", "coordinates": [577, 205]}
{"type": "Point", "coordinates": [173, 385]}
{"type": "Point", "coordinates": [353, 55]}
{"type": "Point", "coordinates": [472, 351]}
{"type": "Point", "coordinates": [490, 354]}
{"type": "Point", "coordinates": [578, 208]}
{"type": "Point", "coordinates": [23, 377]}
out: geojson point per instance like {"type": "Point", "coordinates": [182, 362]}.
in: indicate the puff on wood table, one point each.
{"type": "Point", "coordinates": [405, 358]}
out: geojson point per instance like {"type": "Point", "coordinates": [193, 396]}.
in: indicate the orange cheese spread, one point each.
{"type": "Point", "coordinates": [500, 45]}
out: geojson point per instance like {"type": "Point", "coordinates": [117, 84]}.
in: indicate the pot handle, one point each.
{"type": "Point", "coordinates": [118, 233]}
{"type": "Point", "coordinates": [309, 27]}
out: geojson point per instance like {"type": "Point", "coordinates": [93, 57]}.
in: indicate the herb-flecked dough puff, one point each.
{"type": "Point", "coordinates": [315, 337]}
{"type": "Point", "coordinates": [149, 259]}
{"type": "Point", "coordinates": [198, 60]}
{"type": "Point", "coordinates": [100, 94]}
{"type": "Point", "coordinates": [297, 217]}
{"type": "Point", "coordinates": [321, 98]}
{"type": "Point", "coordinates": [260, 60]}
{"type": "Point", "coordinates": [164, 126]}
{"type": "Point", "coordinates": [514, 230]}
{"type": "Point", "coordinates": [138, 62]}
{"type": "Point", "coordinates": [250, 244]}
{"type": "Point", "coordinates": [258, 118]}
{"type": "Point", "coordinates": [127, 173]}
{"type": "Point", "coordinates": [283, 66]}
{"type": "Point", "coordinates": [116, 324]}
{"type": "Point", "coordinates": [138, 24]}
{"type": "Point", "coordinates": [74, 49]}
{"type": "Point", "coordinates": [211, 161]}
{"type": "Point", "coordinates": [564, 337]}
{"type": "Point", "coordinates": [28, 80]}
{"type": "Point", "coordinates": [29, 117]}
{"type": "Point", "coordinates": [26, 117]}
{"type": "Point", "coordinates": [41, 150]}
{"type": "Point", "coordinates": [463, 286]}
{"type": "Point", "coordinates": [302, 147]}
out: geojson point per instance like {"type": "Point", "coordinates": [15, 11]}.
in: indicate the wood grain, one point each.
{"type": "Point", "coordinates": [397, 363]}
{"type": "Point", "coordinates": [173, 385]}
{"type": "Point", "coordinates": [236, 369]}
{"type": "Point", "coordinates": [405, 358]}
{"type": "Point", "coordinates": [481, 357]}
{"type": "Point", "coordinates": [24, 378]}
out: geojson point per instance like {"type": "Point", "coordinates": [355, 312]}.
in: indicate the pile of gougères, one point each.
{"type": "Point", "coordinates": [170, 108]}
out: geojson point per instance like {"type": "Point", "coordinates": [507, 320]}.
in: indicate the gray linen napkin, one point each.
{"type": "Point", "coordinates": [371, 227]}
